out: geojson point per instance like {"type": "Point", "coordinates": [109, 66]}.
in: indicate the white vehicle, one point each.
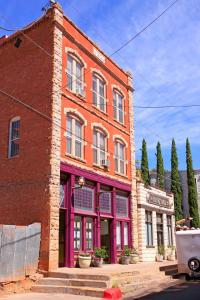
{"type": "Point", "coordinates": [188, 252]}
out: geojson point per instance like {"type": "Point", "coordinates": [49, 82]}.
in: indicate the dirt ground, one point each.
{"type": "Point", "coordinates": [18, 287]}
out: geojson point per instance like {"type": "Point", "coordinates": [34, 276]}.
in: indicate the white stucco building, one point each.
{"type": "Point", "coordinates": [156, 221]}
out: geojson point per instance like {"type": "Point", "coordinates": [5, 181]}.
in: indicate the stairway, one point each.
{"type": "Point", "coordinates": [76, 284]}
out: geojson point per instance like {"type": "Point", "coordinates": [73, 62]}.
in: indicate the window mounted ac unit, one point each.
{"type": "Point", "coordinates": [105, 163]}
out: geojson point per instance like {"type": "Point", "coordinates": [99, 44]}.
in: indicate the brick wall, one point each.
{"type": "Point", "coordinates": [26, 73]}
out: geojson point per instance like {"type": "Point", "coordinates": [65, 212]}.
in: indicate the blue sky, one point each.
{"type": "Point", "coordinates": [164, 61]}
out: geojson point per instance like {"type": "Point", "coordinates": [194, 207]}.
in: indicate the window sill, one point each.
{"type": "Point", "coordinates": [13, 157]}
{"type": "Point", "coordinates": [75, 157]}
{"type": "Point", "coordinates": [150, 247]}
{"type": "Point", "coordinates": [101, 167]}
{"type": "Point", "coordinates": [99, 110]}
{"type": "Point", "coordinates": [83, 98]}
{"type": "Point", "coordinates": [122, 175]}
{"type": "Point", "coordinates": [119, 123]}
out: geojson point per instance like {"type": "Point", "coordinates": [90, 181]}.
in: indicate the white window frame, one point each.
{"type": "Point", "coordinates": [77, 81]}
{"type": "Point", "coordinates": [73, 137]}
{"type": "Point", "coordinates": [11, 140]}
{"type": "Point", "coordinates": [116, 109]}
{"type": "Point", "coordinates": [97, 148]}
{"type": "Point", "coordinates": [97, 92]}
{"type": "Point", "coordinates": [117, 157]}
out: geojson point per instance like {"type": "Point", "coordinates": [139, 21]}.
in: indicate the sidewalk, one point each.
{"type": "Point", "coordinates": [39, 296]}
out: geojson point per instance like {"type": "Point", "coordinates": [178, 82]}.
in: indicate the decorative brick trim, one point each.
{"type": "Point", "coordinates": [75, 52]}
{"type": "Point", "coordinates": [119, 137]}
{"type": "Point", "coordinates": [75, 112]}
{"type": "Point", "coordinates": [98, 72]}
{"type": "Point", "coordinates": [54, 178]}
{"type": "Point", "coordinates": [99, 125]}
{"type": "Point", "coordinates": [117, 88]}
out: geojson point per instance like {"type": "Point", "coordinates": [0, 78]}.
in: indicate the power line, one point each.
{"type": "Point", "coordinates": [144, 28]}
{"type": "Point", "coordinates": [50, 119]}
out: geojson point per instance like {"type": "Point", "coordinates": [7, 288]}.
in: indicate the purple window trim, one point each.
{"type": "Point", "coordinates": [95, 177]}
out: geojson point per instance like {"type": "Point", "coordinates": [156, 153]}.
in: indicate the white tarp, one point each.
{"type": "Point", "coordinates": [187, 246]}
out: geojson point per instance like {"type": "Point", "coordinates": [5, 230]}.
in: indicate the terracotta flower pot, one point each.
{"type": "Point", "coordinates": [159, 258]}
{"type": "Point", "coordinates": [125, 260]}
{"type": "Point", "coordinates": [84, 261]}
{"type": "Point", "coordinates": [171, 257]}
{"type": "Point", "coordinates": [98, 261]}
{"type": "Point", "coordinates": [134, 259]}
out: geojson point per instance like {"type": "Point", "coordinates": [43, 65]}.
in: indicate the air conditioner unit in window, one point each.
{"type": "Point", "coordinates": [105, 163]}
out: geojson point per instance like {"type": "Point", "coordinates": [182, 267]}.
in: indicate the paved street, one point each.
{"type": "Point", "coordinates": [39, 296]}
{"type": "Point", "coordinates": [188, 290]}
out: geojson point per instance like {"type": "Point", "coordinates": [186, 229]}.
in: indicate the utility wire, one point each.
{"type": "Point", "coordinates": [50, 119]}
{"type": "Point", "coordinates": [144, 28]}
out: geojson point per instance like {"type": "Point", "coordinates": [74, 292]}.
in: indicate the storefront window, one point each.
{"type": "Point", "coordinates": [77, 233]}
{"type": "Point", "coordinates": [125, 234]}
{"type": "Point", "coordinates": [89, 234]}
{"type": "Point", "coordinates": [118, 235]}
{"type": "Point", "coordinates": [159, 221]}
{"type": "Point", "coordinates": [149, 228]}
{"type": "Point", "coordinates": [84, 199]}
{"type": "Point", "coordinates": [169, 230]}
{"type": "Point", "coordinates": [105, 202]}
{"type": "Point", "coordinates": [122, 206]}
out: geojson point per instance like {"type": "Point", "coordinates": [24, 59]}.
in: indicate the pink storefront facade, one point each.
{"type": "Point", "coordinates": [96, 215]}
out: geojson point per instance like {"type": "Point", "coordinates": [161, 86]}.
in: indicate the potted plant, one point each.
{"type": "Point", "coordinates": [161, 253]}
{"type": "Point", "coordinates": [134, 256]}
{"type": "Point", "coordinates": [171, 254]}
{"type": "Point", "coordinates": [84, 260]}
{"type": "Point", "coordinates": [99, 255]}
{"type": "Point", "coordinates": [125, 256]}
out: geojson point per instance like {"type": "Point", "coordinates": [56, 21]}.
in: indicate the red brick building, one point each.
{"type": "Point", "coordinates": [66, 114]}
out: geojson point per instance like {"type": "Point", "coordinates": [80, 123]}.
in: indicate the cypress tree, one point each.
{"type": "Point", "coordinates": [144, 164]}
{"type": "Point", "coordinates": [160, 167]}
{"type": "Point", "coordinates": [192, 191]}
{"type": "Point", "coordinates": [175, 183]}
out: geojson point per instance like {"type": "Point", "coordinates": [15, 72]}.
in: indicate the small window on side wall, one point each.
{"type": "Point", "coordinates": [118, 106]}
{"type": "Point", "coordinates": [14, 137]}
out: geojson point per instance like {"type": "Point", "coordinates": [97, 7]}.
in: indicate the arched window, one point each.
{"type": "Point", "coordinates": [99, 92]}
{"type": "Point", "coordinates": [75, 75]}
{"type": "Point", "coordinates": [99, 146]}
{"type": "Point", "coordinates": [120, 160]}
{"type": "Point", "coordinates": [74, 136]}
{"type": "Point", "coordinates": [118, 106]}
{"type": "Point", "coordinates": [14, 137]}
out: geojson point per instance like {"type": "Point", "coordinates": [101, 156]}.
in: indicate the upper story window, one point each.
{"type": "Point", "coordinates": [14, 137]}
{"type": "Point", "coordinates": [75, 75]}
{"type": "Point", "coordinates": [74, 136]}
{"type": "Point", "coordinates": [118, 106]}
{"type": "Point", "coordinates": [99, 146]}
{"type": "Point", "coordinates": [120, 163]}
{"type": "Point", "coordinates": [98, 88]}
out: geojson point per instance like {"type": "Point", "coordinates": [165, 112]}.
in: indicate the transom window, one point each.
{"type": "Point", "coordinates": [118, 106]}
{"type": "Point", "coordinates": [84, 199]}
{"type": "Point", "coordinates": [99, 146]}
{"type": "Point", "coordinates": [74, 136]}
{"type": "Point", "coordinates": [14, 137]}
{"type": "Point", "coordinates": [98, 87]}
{"type": "Point", "coordinates": [120, 165]}
{"type": "Point", "coordinates": [75, 75]}
{"type": "Point", "coordinates": [122, 206]}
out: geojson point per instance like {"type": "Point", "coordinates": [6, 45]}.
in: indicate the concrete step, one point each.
{"type": "Point", "coordinates": [84, 291]}
{"type": "Point", "coordinates": [73, 282]}
{"type": "Point", "coordinates": [79, 276]}
{"type": "Point", "coordinates": [169, 267]}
